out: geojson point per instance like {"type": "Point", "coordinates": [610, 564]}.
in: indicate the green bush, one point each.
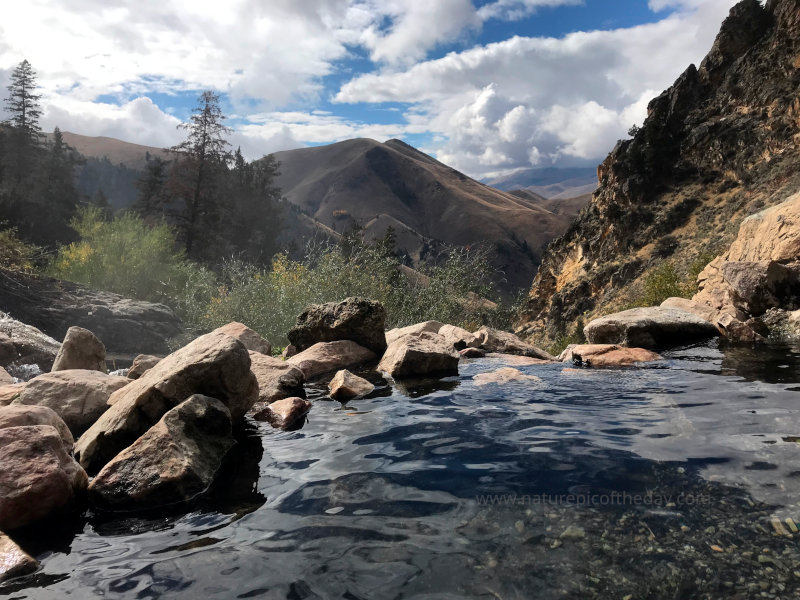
{"type": "Point", "coordinates": [127, 256]}
{"type": "Point", "coordinates": [16, 255]}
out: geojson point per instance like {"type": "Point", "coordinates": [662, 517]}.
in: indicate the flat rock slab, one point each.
{"type": "Point", "coordinates": [517, 360]}
{"type": "Point", "coordinates": [503, 376]}
{"type": "Point", "coordinates": [24, 416]}
{"type": "Point", "coordinates": [277, 379]}
{"type": "Point", "coordinates": [607, 355]}
{"type": "Point", "coordinates": [325, 357]}
{"type": "Point", "coordinates": [251, 339]}
{"type": "Point", "coordinates": [214, 365]}
{"type": "Point", "coordinates": [652, 327]}
{"type": "Point", "coordinates": [81, 349]}
{"type": "Point", "coordinates": [357, 319]}
{"type": "Point", "coordinates": [345, 386]}
{"type": "Point", "coordinates": [419, 355]}
{"type": "Point", "coordinates": [284, 414]}
{"type": "Point", "coordinates": [14, 561]}
{"type": "Point", "coordinates": [430, 326]}
{"type": "Point", "coordinates": [79, 396]}
{"type": "Point", "coordinates": [39, 478]}
{"type": "Point", "coordinates": [175, 461]}
{"type": "Point", "coordinates": [494, 340]}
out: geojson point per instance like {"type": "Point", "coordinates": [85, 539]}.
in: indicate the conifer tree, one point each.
{"type": "Point", "coordinates": [22, 104]}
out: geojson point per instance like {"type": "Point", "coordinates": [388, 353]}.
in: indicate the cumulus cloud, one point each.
{"type": "Point", "coordinates": [527, 101]}
{"type": "Point", "coordinates": [513, 10]}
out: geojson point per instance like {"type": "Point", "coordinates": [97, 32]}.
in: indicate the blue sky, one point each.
{"type": "Point", "coordinates": [488, 86]}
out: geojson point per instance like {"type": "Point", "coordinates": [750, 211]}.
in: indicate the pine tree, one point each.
{"type": "Point", "coordinates": [22, 104]}
{"type": "Point", "coordinates": [197, 178]}
{"type": "Point", "coordinates": [152, 194]}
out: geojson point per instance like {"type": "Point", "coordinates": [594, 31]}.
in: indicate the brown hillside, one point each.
{"type": "Point", "coordinates": [720, 144]}
{"type": "Point", "coordinates": [377, 185]}
{"type": "Point", "coordinates": [117, 151]}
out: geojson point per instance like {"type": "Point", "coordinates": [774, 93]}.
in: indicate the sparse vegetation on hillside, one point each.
{"type": "Point", "coordinates": [136, 259]}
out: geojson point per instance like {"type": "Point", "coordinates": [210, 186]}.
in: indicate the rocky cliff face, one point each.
{"type": "Point", "coordinates": [722, 143]}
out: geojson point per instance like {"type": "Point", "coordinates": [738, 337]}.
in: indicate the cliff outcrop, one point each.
{"type": "Point", "coordinates": [719, 145]}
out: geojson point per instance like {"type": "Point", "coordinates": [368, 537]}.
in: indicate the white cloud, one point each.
{"type": "Point", "coordinates": [513, 10]}
{"type": "Point", "coordinates": [526, 100]}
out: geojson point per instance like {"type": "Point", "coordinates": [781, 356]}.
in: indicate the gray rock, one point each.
{"type": "Point", "coordinates": [345, 386]}
{"type": "Point", "coordinates": [277, 379]}
{"type": "Point", "coordinates": [284, 414]}
{"type": "Point", "coordinates": [215, 365]}
{"type": "Point", "coordinates": [357, 319]}
{"type": "Point", "coordinates": [174, 461]}
{"type": "Point", "coordinates": [14, 561]}
{"type": "Point", "coordinates": [458, 337]}
{"type": "Point", "coordinates": [651, 327]}
{"type": "Point", "coordinates": [81, 349]}
{"type": "Point", "coordinates": [79, 396]}
{"type": "Point", "coordinates": [416, 328]}
{"type": "Point", "coordinates": [419, 355]}
{"type": "Point", "coordinates": [39, 478]}
{"type": "Point", "coordinates": [22, 344]}
{"type": "Point", "coordinates": [142, 364]}
{"type": "Point", "coordinates": [325, 357]}
{"type": "Point", "coordinates": [503, 342]}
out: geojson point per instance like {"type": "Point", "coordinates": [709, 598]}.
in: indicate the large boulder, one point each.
{"type": "Point", "coordinates": [79, 396]}
{"type": "Point", "coordinates": [331, 356]}
{"type": "Point", "coordinates": [458, 337]}
{"type": "Point", "coordinates": [417, 328]}
{"type": "Point", "coordinates": [503, 342]}
{"type": "Point", "coordinates": [142, 364]}
{"type": "Point", "coordinates": [727, 325]}
{"type": "Point", "coordinates": [606, 355]}
{"type": "Point", "coordinates": [357, 319]}
{"type": "Point", "coordinates": [10, 392]}
{"type": "Point", "coordinates": [22, 344]}
{"type": "Point", "coordinates": [251, 340]}
{"type": "Point", "coordinates": [174, 461]}
{"type": "Point", "coordinates": [277, 379]}
{"type": "Point", "coordinates": [39, 478]}
{"type": "Point", "coordinates": [81, 349]}
{"type": "Point", "coordinates": [215, 365]}
{"type": "Point", "coordinates": [284, 414]}
{"type": "Point", "coordinates": [345, 386]}
{"type": "Point", "coordinates": [14, 561]}
{"type": "Point", "coordinates": [651, 327]}
{"type": "Point", "coordinates": [419, 355]}
{"type": "Point", "coordinates": [24, 416]}
{"type": "Point", "coordinates": [126, 326]}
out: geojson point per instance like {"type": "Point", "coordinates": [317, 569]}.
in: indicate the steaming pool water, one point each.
{"type": "Point", "coordinates": [675, 480]}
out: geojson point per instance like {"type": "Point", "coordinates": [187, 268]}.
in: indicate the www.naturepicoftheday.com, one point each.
{"type": "Point", "coordinates": [444, 299]}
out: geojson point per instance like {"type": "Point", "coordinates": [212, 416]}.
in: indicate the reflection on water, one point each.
{"type": "Point", "coordinates": [661, 482]}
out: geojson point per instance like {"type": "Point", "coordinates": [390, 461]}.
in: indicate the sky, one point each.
{"type": "Point", "coordinates": [486, 86]}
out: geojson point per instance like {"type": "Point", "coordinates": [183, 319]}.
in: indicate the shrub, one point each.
{"type": "Point", "coordinates": [127, 256]}
{"type": "Point", "coordinates": [16, 255]}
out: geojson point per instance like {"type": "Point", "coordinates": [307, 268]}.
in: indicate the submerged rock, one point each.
{"type": "Point", "coordinates": [284, 414]}
{"type": "Point", "coordinates": [24, 416]}
{"type": "Point", "coordinates": [215, 365]}
{"type": "Point", "coordinates": [505, 375]}
{"type": "Point", "coordinates": [606, 355]}
{"type": "Point", "coordinates": [251, 340]}
{"type": "Point", "coordinates": [357, 319]}
{"type": "Point", "coordinates": [345, 386]}
{"type": "Point", "coordinates": [142, 364]}
{"type": "Point", "coordinates": [331, 356]}
{"type": "Point", "coordinates": [277, 379]}
{"type": "Point", "coordinates": [39, 478]}
{"type": "Point", "coordinates": [418, 355]}
{"type": "Point", "coordinates": [430, 326]}
{"type": "Point", "coordinates": [175, 461]}
{"type": "Point", "coordinates": [81, 349]}
{"type": "Point", "coordinates": [79, 396]}
{"type": "Point", "coordinates": [651, 327]}
{"type": "Point", "coordinates": [22, 344]}
{"type": "Point", "coordinates": [14, 561]}
{"type": "Point", "coordinates": [494, 340]}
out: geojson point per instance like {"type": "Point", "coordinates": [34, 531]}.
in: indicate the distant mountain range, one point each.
{"type": "Point", "coordinates": [329, 189]}
{"type": "Point", "coordinates": [549, 182]}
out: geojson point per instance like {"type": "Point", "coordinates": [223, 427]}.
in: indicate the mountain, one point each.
{"type": "Point", "coordinates": [722, 143]}
{"type": "Point", "coordinates": [378, 185]}
{"type": "Point", "coordinates": [549, 181]}
{"type": "Point", "coordinates": [132, 156]}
